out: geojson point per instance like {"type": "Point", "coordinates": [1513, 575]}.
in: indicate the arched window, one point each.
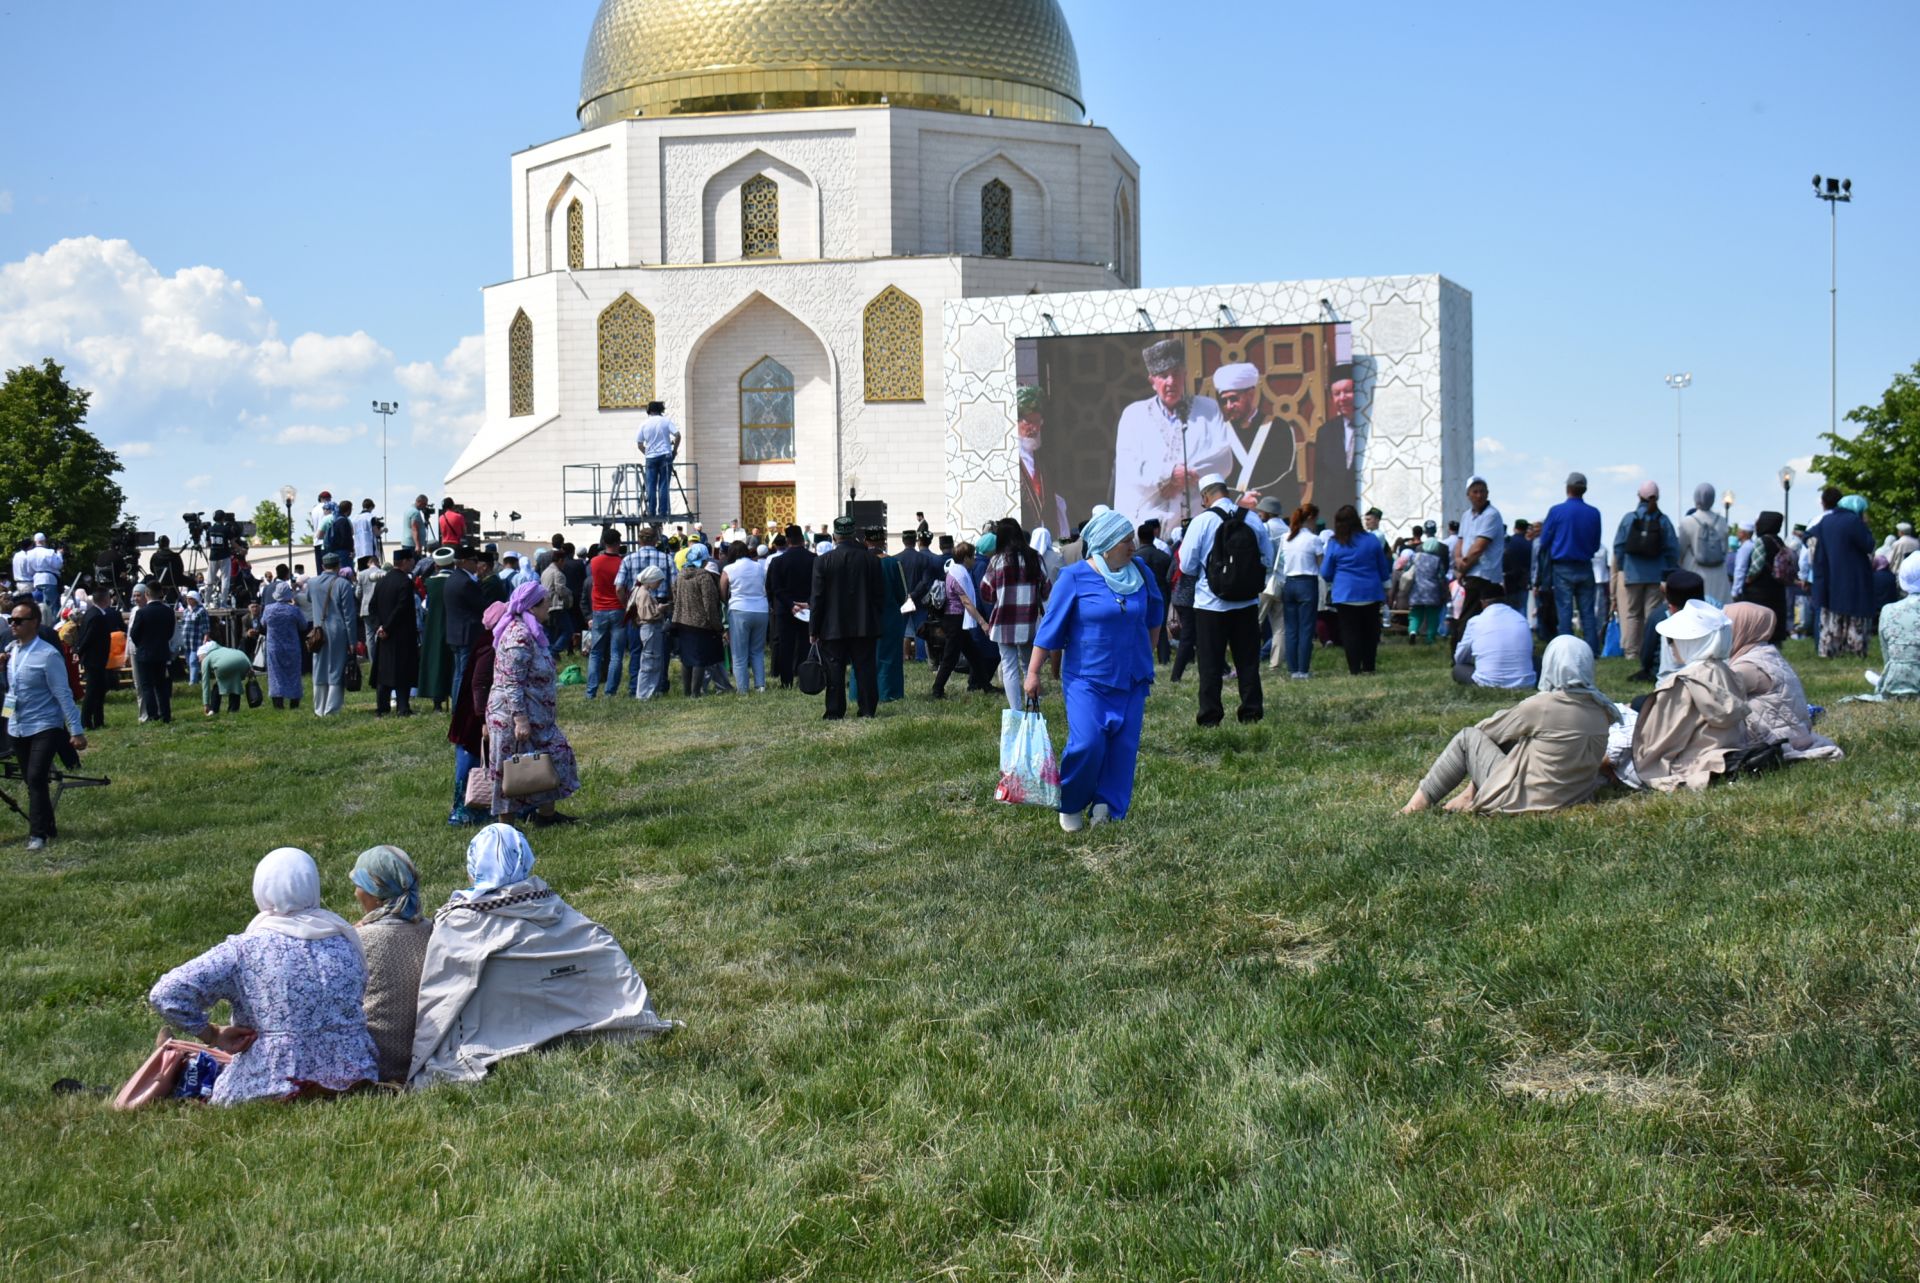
{"type": "Point", "coordinates": [626, 354]}
{"type": "Point", "coordinates": [893, 348]}
{"type": "Point", "coordinates": [577, 236]}
{"type": "Point", "coordinates": [1122, 235]}
{"type": "Point", "coordinates": [760, 218]}
{"type": "Point", "coordinates": [766, 413]}
{"type": "Point", "coordinates": [996, 220]}
{"type": "Point", "coordinates": [520, 366]}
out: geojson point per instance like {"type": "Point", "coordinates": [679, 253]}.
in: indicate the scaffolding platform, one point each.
{"type": "Point", "coordinates": [615, 494]}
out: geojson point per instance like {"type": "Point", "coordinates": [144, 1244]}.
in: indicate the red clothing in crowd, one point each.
{"type": "Point", "coordinates": [453, 527]}
{"type": "Point", "coordinates": [603, 570]}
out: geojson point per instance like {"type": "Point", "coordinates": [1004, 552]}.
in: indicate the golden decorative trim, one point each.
{"type": "Point", "coordinates": [520, 366]}
{"type": "Point", "coordinates": [893, 347]}
{"type": "Point", "coordinates": [576, 235]}
{"type": "Point", "coordinates": [760, 218]}
{"type": "Point", "coordinates": [626, 354]}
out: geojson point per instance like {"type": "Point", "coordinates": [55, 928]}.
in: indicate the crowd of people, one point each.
{"type": "Point", "coordinates": [322, 1006]}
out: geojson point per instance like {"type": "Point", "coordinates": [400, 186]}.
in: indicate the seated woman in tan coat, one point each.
{"type": "Point", "coordinates": [1776, 702]}
{"type": "Point", "coordinates": [1540, 755]}
{"type": "Point", "coordinates": [1694, 725]}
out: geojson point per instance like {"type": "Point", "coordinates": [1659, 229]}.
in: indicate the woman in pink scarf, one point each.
{"type": "Point", "coordinates": [522, 708]}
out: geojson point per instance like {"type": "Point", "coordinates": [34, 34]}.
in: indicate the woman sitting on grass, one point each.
{"type": "Point", "coordinates": [394, 939]}
{"type": "Point", "coordinates": [294, 979]}
{"type": "Point", "coordinates": [1542, 754]}
{"type": "Point", "coordinates": [1694, 725]}
{"type": "Point", "coordinates": [1899, 677]}
{"type": "Point", "coordinates": [1776, 702]}
{"type": "Point", "coordinates": [511, 966]}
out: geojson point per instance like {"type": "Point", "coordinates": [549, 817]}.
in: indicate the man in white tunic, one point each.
{"type": "Point", "coordinates": [1167, 442]}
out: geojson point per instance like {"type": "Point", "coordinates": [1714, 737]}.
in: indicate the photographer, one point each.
{"type": "Point", "coordinates": [166, 569]}
{"type": "Point", "coordinates": [40, 713]}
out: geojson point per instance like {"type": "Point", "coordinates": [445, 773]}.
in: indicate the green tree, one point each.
{"type": "Point", "coordinates": [1882, 460]}
{"type": "Point", "coordinates": [269, 523]}
{"type": "Point", "coordinates": [55, 476]}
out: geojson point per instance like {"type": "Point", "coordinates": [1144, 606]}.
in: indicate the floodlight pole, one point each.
{"type": "Point", "coordinates": [1834, 191]}
{"type": "Point", "coordinates": [385, 409]}
{"type": "Point", "coordinates": [1679, 383]}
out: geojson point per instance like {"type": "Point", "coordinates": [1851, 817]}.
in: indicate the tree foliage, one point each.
{"type": "Point", "coordinates": [1882, 460]}
{"type": "Point", "coordinates": [269, 523]}
{"type": "Point", "coordinates": [55, 476]}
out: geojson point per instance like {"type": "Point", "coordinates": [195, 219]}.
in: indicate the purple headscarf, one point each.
{"type": "Point", "coordinates": [520, 606]}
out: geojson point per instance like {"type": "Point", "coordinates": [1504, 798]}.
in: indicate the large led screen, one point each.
{"type": "Point", "coordinates": [1134, 421]}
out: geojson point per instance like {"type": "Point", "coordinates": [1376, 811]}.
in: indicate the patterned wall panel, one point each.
{"type": "Point", "coordinates": [1413, 358]}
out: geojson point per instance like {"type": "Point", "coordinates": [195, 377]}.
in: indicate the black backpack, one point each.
{"type": "Point", "coordinates": [1644, 536]}
{"type": "Point", "coordinates": [1234, 570]}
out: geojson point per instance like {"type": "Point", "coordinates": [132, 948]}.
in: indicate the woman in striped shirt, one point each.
{"type": "Point", "coordinates": [1016, 588]}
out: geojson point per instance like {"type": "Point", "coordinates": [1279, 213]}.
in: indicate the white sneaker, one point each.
{"type": "Point", "coordinates": [1071, 821]}
{"type": "Point", "coordinates": [1101, 813]}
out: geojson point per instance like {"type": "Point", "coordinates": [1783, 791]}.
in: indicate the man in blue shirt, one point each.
{"type": "Point", "coordinates": [1479, 557]}
{"type": "Point", "coordinates": [1568, 539]}
{"type": "Point", "coordinates": [1218, 623]}
{"type": "Point", "coordinates": [41, 715]}
{"type": "Point", "coordinates": [657, 439]}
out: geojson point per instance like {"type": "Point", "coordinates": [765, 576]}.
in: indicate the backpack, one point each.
{"type": "Point", "coordinates": [1644, 536]}
{"type": "Point", "coordinates": [934, 601]}
{"type": "Point", "coordinates": [1709, 541]}
{"type": "Point", "coordinates": [1234, 570]}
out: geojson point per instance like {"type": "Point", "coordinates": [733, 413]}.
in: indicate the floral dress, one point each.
{"type": "Point", "coordinates": [524, 686]}
{"type": "Point", "coordinates": [302, 996]}
{"type": "Point", "coordinates": [286, 631]}
{"type": "Point", "coordinates": [1900, 648]}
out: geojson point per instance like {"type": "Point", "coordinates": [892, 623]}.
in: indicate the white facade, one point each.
{"type": "Point", "coordinates": [868, 197]}
{"type": "Point", "coordinates": [1413, 379]}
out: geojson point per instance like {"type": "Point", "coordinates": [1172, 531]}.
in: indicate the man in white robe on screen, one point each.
{"type": "Point", "coordinates": [1167, 442]}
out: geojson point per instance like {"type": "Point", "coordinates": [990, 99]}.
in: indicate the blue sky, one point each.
{"type": "Point", "coordinates": [241, 223]}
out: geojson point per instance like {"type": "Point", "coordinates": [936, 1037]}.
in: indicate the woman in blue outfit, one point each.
{"type": "Point", "coordinates": [1104, 613]}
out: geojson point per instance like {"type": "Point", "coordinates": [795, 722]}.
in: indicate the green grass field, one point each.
{"type": "Point", "coordinates": [1266, 1028]}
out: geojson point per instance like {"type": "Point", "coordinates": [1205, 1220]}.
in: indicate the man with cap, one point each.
{"type": "Point", "coordinates": [1903, 546]}
{"type": "Point", "coordinates": [789, 589]}
{"type": "Point", "coordinates": [1225, 622]}
{"type": "Point", "coordinates": [1040, 505]}
{"type": "Point", "coordinates": [465, 600]}
{"type": "Point", "coordinates": [1263, 446]}
{"type": "Point", "coordinates": [656, 440]}
{"type": "Point", "coordinates": [1479, 558]}
{"type": "Point", "coordinates": [1569, 537]}
{"type": "Point", "coordinates": [1370, 523]}
{"type": "Point", "coordinates": [396, 638]}
{"type": "Point", "coordinates": [332, 607]}
{"type": "Point", "coordinates": [436, 662]}
{"type": "Point", "coordinates": [847, 597]}
{"type": "Point", "coordinates": [1167, 441]}
{"type": "Point", "coordinates": [1645, 551]}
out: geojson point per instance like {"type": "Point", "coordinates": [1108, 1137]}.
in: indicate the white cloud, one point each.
{"type": "Point", "coordinates": [447, 401]}
{"type": "Point", "coordinates": [1620, 471]}
{"type": "Point", "coordinates": [1489, 445]}
{"type": "Point", "coordinates": [133, 335]}
{"type": "Point", "coordinates": [135, 450]}
{"type": "Point", "coordinates": [311, 434]}
{"type": "Point", "coordinates": [199, 481]}
{"type": "Point", "coordinates": [1804, 474]}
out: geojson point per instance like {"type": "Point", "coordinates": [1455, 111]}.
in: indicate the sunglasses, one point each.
{"type": "Point", "coordinates": [17, 620]}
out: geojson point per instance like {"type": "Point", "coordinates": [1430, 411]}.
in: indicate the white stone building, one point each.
{"type": "Point", "coordinates": [715, 259]}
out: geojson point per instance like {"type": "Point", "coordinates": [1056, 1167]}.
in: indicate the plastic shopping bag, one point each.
{"type": "Point", "coordinates": [1029, 772]}
{"type": "Point", "coordinates": [1610, 648]}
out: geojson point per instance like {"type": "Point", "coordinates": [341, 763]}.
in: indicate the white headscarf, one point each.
{"type": "Point", "coordinates": [1910, 574]}
{"type": "Point", "coordinates": [1568, 667]}
{"type": "Point", "coordinates": [1712, 633]}
{"type": "Point", "coordinates": [497, 857]}
{"type": "Point", "coordinates": [286, 886]}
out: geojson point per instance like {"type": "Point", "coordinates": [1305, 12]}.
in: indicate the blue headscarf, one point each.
{"type": "Point", "coordinates": [1855, 504]}
{"type": "Point", "coordinates": [1105, 530]}
{"type": "Point", "coordinates": [497, 857]}
{"type": "Point", "coordinates": [386, 874]}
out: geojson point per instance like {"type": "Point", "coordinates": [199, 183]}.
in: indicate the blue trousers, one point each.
{"type": "Point", "coordinates": [659, 472]}
{"type": "Point", "coordinates": [1573, 585]}
{"type": "Point", "coordinates": [459, 671]}
{"type": "Point", "coordinates": [1103, 746]}
{"type": "Point", "coordinates": [604, 651]}
{"type": "Point", "coordinates": [463, 762]}
{"type": "Point", "coordinates": [1300, 603]}
{"type": "Point", "coordinates": [749, 629]}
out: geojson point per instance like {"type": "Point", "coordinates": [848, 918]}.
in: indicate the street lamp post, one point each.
{"type": "Point", "coordinates": [1786, 498]}
{"type": "Point", "coordinates": [286, 497]}
{"type": "Point", "coordinates": [1679, 383]}
{"type": "Point", "coordinates": [1834, 192]}
{"type": "Point", "coordinates": [386, 410]}
{"type": "Point", "coordinates": [1726, 505]}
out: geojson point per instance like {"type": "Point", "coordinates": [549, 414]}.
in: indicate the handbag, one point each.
{"type": "Point", "coordinates": [479, 795]}
{"type": "Point", "coordinates": [811, 676]}
{"type": "Point", "coordinates": [316, 639]}
{"type": "Point", "coordinates": [260, 656]}
{"type": "Point", "coordinates": [255, 696]}
{"type": "Point", "coordinates": [525, 774]}
{"type": "Point", "coordinates": [1029, 772]}
{"type": "Point", "coordinates": [159, 1076]}
{"type": "Point", "coordinates": [352, 676]}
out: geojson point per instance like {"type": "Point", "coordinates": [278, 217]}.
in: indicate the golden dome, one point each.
{"type": "Point", "coordinates": [986, 57]}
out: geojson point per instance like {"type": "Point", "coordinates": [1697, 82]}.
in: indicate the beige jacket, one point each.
{"type": "Point", "coordinates": [1777, 706]}
{"type": "Point", "coordinates": [1555, 742]}
{"type": "Point", "coordinates": [1692, 723]}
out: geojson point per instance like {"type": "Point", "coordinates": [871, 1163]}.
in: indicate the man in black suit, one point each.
{"type": "Point", "coordinates": [790, 584]}
{"type": "Point", "coordinates": [93, 646]}
{"type": "Point", "coordinates": [464, 600]}
{"type": "Point", "coordinates": [849, 593]}
{"type": "Point", "coordinates": [150, 638]}
{"type": "Point", "coordinates": [396, 651]}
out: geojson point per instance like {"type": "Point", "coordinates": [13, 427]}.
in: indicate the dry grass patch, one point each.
{"type": "Point", "coordinates": [1559, 1079]}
